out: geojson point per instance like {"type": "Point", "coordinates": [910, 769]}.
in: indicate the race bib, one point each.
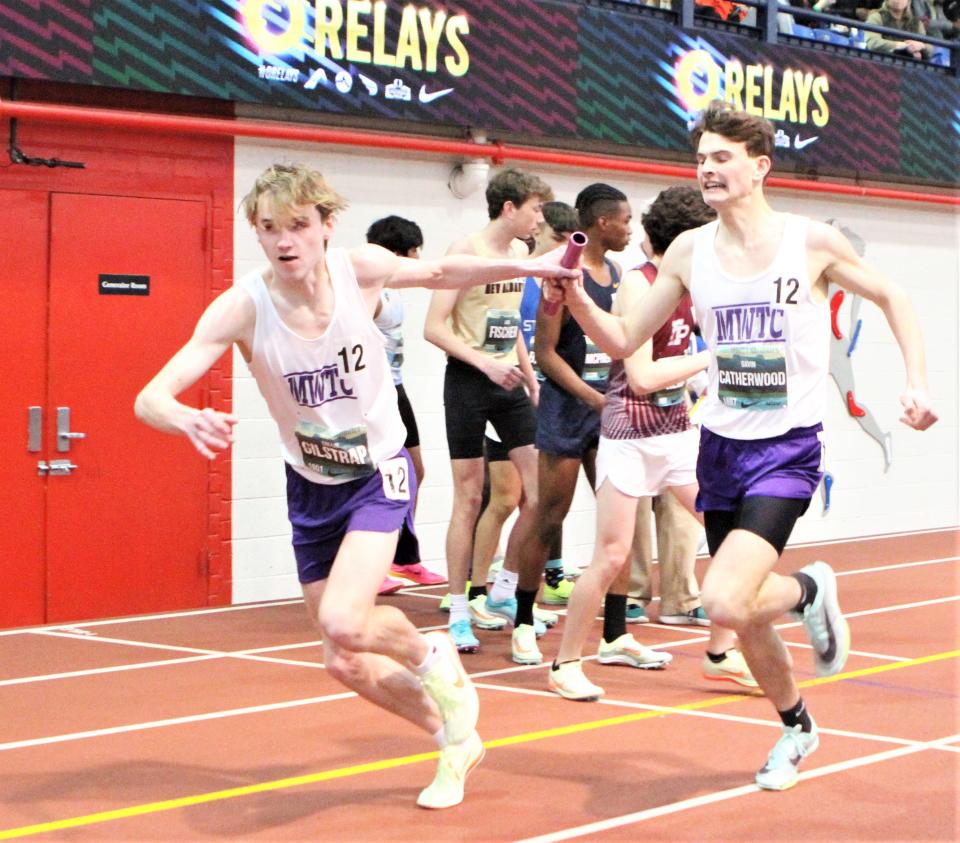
{"type": "Point", "coordinates": [396, 479]}
{"type": "Point", "coordinates": [753, 377]}
{"type": "Point", "coordinates": [501, 330]}
{"type": "Point", "coordinates": [596, 364]}
{"type": "Point", "coordinates": [340, 455]}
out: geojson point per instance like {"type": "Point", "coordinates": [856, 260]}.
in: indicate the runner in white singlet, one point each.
{"type": "Point", "coordinates": [304, 324]}
{"type": "Point", "coordinates": [759, 280]}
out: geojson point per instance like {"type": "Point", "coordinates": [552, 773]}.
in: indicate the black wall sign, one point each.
{"type": "Point", "coordinates": [124, 285]}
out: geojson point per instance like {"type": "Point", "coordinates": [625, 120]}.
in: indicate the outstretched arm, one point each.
{"type": "Point", "coordinates": [842, 265]}
{"type": "Point", "coordinates": [620, 336]}
{"type": "Point", "coordinates": [376, 266]}
{"type": "Point", "coordinates": [228, 319]}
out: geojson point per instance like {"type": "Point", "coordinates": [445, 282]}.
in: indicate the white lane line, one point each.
{"type": "Point", "coordinates": [733, 793]}
{"type": "Point", "coordinates": [899, 566]}
{"type": "Point", "coordinates": [95, 671]}
{"type": "Point", "coordinates": [243, 607]}
{"type": "Point", "coordinates": [884, 609]}
{"type": "Point", "coordinates": [803, 645]}
{"type": "Point", "coordinates": [176, 648]}
{"type": "Point", "coordinates": [703, 713]}
{"type": "Point", "coordinates": [172, 721]}
{"type": "Point", "coordinates": [878, 537]}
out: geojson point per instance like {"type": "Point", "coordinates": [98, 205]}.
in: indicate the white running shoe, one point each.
{"type": "Point", "coordinates": [780, 771]}
{"type": "Point", "coordinates": [482, 619]}
{"type": "Point", "coordinates": [568, 681]}
{"type": "Point", "coordinates": [627, 650]}
{"type": "Point", "coordinates": [524, 645]}
{"type": "Point", "coordinates": [450, 687]}
{"type": "Point", "coordinates": [826, 627]}
{"type": "Point", "coordinates": [544, 616]}
{"type": "Point", "coordinates": [733, 668]}
{"type": "Point", "coordinates": [457, 760]}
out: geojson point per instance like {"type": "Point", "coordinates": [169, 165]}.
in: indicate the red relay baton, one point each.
{"type": "Point", "coordinates": [570, 257]}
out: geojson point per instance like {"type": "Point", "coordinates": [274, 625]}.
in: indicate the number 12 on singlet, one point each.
{"type": "Point", "coordinates": [396, 479]}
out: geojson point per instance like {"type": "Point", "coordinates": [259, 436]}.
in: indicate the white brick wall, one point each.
{"type": "Point", "coordinates": [917, 245]}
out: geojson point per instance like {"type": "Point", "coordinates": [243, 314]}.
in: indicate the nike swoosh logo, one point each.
{"type": "Point", "coordinates": [800, 144]}
{"type": "Point", "coordinates": [426, 96]}
{"type": "Point", "coordinates": [831, 652]}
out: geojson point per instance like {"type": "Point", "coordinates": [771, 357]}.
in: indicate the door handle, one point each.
{"type": "Point", "coordinates": [55, 468]}
{"type": "Point", "coordinates": [64, 434]}
{"type": "Point", "coordinates": [34, 429]}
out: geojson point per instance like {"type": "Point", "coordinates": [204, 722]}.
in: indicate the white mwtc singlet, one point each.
{"type": "Point", "coordinates": [769, 339]}
{"type": "Point", "coordinates": [332, 397]}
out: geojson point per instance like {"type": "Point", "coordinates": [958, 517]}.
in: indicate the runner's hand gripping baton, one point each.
{"type": "Point", "coordinates": [570, 257]}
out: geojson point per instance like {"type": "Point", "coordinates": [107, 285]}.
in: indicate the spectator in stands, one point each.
{"type": "Point", "coordinates": [721, 10]}
{"type": "Point", "coordinates": [896, 14]}
{"type": "Point", "coordinates": [933, 16]}
{"type": "Point", "coordinates": [853, 9]}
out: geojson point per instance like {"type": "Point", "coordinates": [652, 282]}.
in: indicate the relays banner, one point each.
{"type": "Point", "coordinates": [536, 69]}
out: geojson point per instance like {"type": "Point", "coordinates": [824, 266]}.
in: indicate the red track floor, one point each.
{"type": "Point", "coordinates": [223, 724]}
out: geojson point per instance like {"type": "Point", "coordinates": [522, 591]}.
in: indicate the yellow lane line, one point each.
{"type": "Point", "coordinates": [406, 760]}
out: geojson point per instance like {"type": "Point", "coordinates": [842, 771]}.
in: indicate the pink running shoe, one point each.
{"type": "Point", "coordinates": [417, 573]}
{"type": "Point", "coordinates": [391, 586]}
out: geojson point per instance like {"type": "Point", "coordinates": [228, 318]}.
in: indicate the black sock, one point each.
{"type": "Point", "coordinates": [525, 601]}
{"type": "Point", "coordinates": [614, 617]}
{"type": "Point", "coordinates": [716, 658]}
{"type": "Point", "coordinates": [556, 664]}
{"type": "Point", "coordinates": [808, 591]}
{"type": "Point", "coordinates": [476, 591]}
{"type": "Point", "coordinates": [797, 716]}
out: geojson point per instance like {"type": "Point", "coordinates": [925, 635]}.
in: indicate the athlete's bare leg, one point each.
{"type": "Point", "coordinates": [524, 460]}
{"type": "Point", "coordinates": [506, 490]}
{"type": "Point", "coordinates": [616, 514]}
{"type": "Point", "coordinates": [467, 498]}
{"type": "Point", "coordinates": [721, 638]}
{"type": "Point", "coordinates": [370, 648]}
{"type": "Point", "coordinates": [741, 592]}
{"type": "Point", "coordinates": [557, 481]}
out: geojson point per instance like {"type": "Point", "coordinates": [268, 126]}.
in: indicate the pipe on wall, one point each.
{"type": "Point", "coordinates": [497, 152]}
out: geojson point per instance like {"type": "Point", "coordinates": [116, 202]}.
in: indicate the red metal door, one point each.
{"type": "Point", "coordinates": [126, 530]}
{"type": "Point", "coordinates": [23, 290]}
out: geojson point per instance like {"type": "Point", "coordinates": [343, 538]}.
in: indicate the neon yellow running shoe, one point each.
{"type": "Point", "coordinates": [457, 760]}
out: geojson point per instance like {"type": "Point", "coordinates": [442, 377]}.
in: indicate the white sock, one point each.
{"type": "Point", "coordinates": [440, 736]}
{"type": "Point", "coordinates": [505, 586]}
{"type": "Point", "coordinates": [429, 660]}
{"type": "Point", "coordinates": [459, 610]}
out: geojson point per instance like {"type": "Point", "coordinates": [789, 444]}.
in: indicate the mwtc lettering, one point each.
{"type": "Point", "coordinates": [313, 389]}
{"type": "Point", "coordinates": [749, 322]}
